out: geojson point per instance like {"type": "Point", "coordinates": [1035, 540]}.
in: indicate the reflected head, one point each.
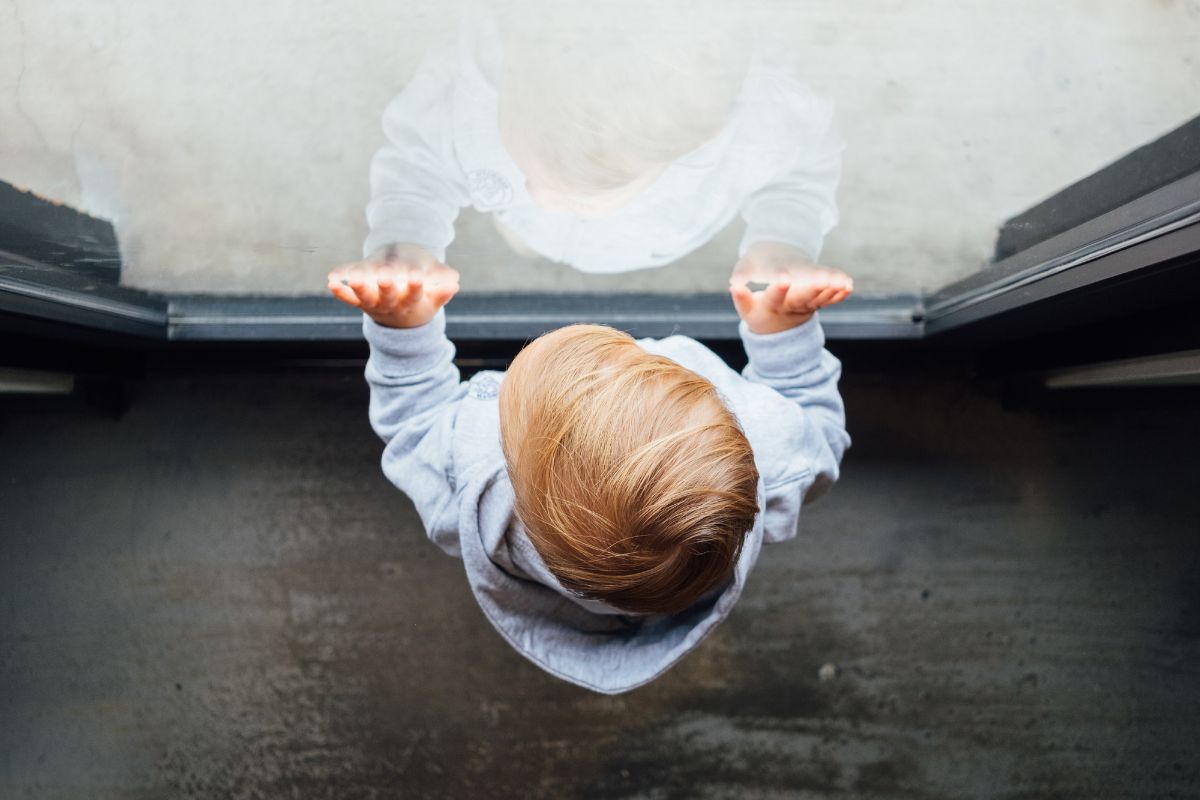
{"type": "Point", "coordinates": [596, 101]}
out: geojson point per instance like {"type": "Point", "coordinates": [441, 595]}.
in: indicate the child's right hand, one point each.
{"type": "Point", "coordinates": [401, 286]}
{"type": "Point", "coordinates": [790, 300]}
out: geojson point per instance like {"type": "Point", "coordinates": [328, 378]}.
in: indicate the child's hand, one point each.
{"type": "Point", "coordinates": [402, 286]}
{"type": "Point", "coordinates": [797, 287]}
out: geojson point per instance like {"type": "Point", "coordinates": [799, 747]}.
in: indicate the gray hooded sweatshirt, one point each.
{"type": "Point", "coordinates": [442, 438]}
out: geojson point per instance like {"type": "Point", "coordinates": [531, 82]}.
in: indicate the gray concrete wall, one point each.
{"type": "Point", "coordinates": [219, 595]}
{"type": "Point", "coordinates": [229, 141]}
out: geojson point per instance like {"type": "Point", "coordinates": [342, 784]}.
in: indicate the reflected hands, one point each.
{"type": "Point", "coordinates": [797, 287]}
{"type": "Point", "coordinates": [400, 286]}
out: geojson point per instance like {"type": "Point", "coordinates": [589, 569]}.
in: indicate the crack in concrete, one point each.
{"type": "Point", "coordinates": [41, 134]}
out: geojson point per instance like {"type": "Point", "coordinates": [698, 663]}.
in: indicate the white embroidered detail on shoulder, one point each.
{"type": "Point", "coordinates": [484, 387]}
{"type": "Point", "coordinates": [489, 188]}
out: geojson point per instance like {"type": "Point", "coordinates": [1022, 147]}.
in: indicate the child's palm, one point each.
{"type": "Point", "coordinates": [398, 293]}
{"type": "Point", "coordinates": [791, 299]}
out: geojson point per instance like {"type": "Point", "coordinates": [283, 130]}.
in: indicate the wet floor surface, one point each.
{"type": "Point", "coordinates": [219, 595]}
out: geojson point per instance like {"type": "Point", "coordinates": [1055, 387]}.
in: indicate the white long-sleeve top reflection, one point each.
{"type": "Point", "coordinates": [777, 161]}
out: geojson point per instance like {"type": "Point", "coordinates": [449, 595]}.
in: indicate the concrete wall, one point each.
{"type": "Point", "coordinates": [229, 141]}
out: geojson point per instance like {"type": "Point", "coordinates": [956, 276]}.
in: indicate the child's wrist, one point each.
{"type": "Point", "coordinates": [408, 350]}
{"type": "Point", "coordinates": [767, 327]}
{"type": "Point", "coordinates": [402, 324]}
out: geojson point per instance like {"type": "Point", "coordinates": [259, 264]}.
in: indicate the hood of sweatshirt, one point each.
{"type": "Point", "coordinates": [581, 640]}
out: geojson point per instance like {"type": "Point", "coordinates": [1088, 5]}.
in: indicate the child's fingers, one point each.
{"type": "Point", "coordinates": [801, 298]}
{"type": "Point", "coordinates": [441, 294]}
{"type": "Point", "coordinates": [743, 299]}
{"type": "Point", "coordinates": [414, 290]}
{"type": "Point", "coordinates": [773, 296]}
{"type": "Point", "coordinates": [389, 293]}
{"type": "Point", "coordinates": [344, 293]}
{"type": "Point", "coordinates": [443, 274]}
{"type": "Point", "coordinates": [364, 286]}
{"type": "Point", "coordinates": [841, 280]}
{"type": "Point", "coordinates": [811, 297]}
{"type": "Point", "coordinates": [825, 297]}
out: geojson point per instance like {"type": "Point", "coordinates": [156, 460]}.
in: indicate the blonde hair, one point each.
{"type": "Point", "coordinates": [603, 96]}
{"type": "Point", "coordinates": [634, 481]}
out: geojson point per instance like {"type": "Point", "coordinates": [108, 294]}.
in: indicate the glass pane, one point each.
{"type": "Point", "coordinates": [231, 144]}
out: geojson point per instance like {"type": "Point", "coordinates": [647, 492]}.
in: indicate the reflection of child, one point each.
{"type": "Point", "coordinates": [608, 497]}
{"type": "Point", "coordinates": [607, 154]}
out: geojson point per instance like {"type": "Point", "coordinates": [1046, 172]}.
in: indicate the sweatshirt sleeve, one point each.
{"type": "Point", "coordinates": [417, 184]}
{"type": "Point", "coordinates": [798, 205]}
{"type": "Point", "coordinates": [415, 398]}
{"type": "Point", "coordinates": [796, 365]}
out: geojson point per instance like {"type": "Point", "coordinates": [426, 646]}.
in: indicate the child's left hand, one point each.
{"type": "Point", "coordinates": [394, 296]}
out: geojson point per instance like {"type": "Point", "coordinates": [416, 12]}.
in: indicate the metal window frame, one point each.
{"type": "Point", "coordinates": [59, 296]}
{"type": "Point", "coordinates": [1147, 237]}
{"type": "Point", "coordinates": [520, 316]}
{"type": "Point", "coordinates": [1169, 158]}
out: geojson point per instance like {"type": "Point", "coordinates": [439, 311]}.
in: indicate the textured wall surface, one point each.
{"type": "Point", "coordinates": [218, 595]}
{"type": "Point", "coordinates": [230, 141]}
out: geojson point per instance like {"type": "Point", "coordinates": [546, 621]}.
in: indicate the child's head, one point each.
{"type": "Point", "coordinates": [595, 104]}
{"type": "Point", "coordinates": [634, 481]}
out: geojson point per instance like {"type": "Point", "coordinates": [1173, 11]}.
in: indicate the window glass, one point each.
{"type": "Point", "coordinates": [249, 148]}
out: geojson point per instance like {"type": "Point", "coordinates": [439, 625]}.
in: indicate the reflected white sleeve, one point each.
{"type": "Point", "coordinates": [799, 207]}
{"type": "Point", "coordinates": [417, 184]}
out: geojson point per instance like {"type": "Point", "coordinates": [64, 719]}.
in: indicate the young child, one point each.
{"type": "Point", "coordinates": [607, 142]}
{"type": "Point", "coordinates": [607, 496]}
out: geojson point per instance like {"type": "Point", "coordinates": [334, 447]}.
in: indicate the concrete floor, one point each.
{"type": "Point", "coordinates": [229, 142]}
{"type": "Point", "coordinates": [219, 595]}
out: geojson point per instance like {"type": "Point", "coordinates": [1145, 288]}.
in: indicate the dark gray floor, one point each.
{"type": "Point", "coordinates": [220, 596]}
